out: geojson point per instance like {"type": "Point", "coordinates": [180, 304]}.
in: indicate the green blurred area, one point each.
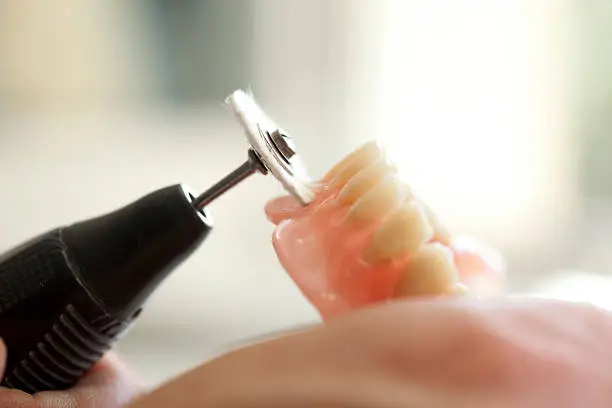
{"type": "Point", "coordinates": [593, 61]}
{"type": "Point", "coordinates": [202, 48]}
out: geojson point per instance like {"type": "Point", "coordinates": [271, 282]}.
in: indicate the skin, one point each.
{"type": "Point", "coordinates": [110, 384]}
{"type": "Point", "coordinates": [421, 353]}
{"type": "Point", "coordinates": [455, 353]}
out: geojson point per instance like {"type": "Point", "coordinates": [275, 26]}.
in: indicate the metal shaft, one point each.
{"type": "Point", "coordinates": [251, 166]}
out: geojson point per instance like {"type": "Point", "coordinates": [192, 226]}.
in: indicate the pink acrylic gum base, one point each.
{"type": "Point", "coordinates": [322, 254]}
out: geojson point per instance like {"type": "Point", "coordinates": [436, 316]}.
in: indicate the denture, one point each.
{"type": "Point", "coordinates": [366, 239]}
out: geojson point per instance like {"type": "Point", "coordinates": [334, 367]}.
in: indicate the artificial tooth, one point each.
{"type": "Point", "coordinates": [364, 180]}
{"type": "Point", "coordinates": [402, 233]}
{"type": "Point", "coordinates": [353, 163]}
{"type": "Point", "coordinates": [441, 234]}
{"type": "Point", "coordinates": [379, 201]}
{"type": "Point", "coordinates": [460, 290]}
{"type": "Point", "coordinates": [430, 272]}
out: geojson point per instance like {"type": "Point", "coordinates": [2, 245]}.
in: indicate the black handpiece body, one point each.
{"type": "Point", "coordinates": [67, 295]}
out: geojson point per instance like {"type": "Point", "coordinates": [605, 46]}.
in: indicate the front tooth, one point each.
{"type": "Point", "coordinates": [353, 163]}
{"type": "Point", "coordinates": [379, 201]}
{"type": "Point", "coordinates": [403, 233]}
{"type": "Point", "coordinates": [430, 272]}
{"type": "Point", "coordinates": [365, 180]}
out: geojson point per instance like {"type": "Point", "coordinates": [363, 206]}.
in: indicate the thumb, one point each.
{"type": "Point", "coordinates": [2, 358]}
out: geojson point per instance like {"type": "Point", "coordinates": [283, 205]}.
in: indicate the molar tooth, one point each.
{"type": "Point", "coordinates": [431, 272]}
{"type": "Point", "coordinates": [460, 290]}
{"type": "Point", "coordinates": [365, 180]}
{"type": "Point", "coordinates": [353, 163]}
{"type": "Point", "coordinates": [441, 234]}
{"type": "Point", "coordinates": [403, 233]}
{"type": "Point", "coordinates": [379, 201]}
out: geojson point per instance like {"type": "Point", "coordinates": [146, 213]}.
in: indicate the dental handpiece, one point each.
{"type": "Point", "coordinates": [68, 294]}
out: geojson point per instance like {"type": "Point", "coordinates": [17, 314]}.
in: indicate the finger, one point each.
{"type": "Point", "coordinates": [2, 358]}
{"type": "Point", "coordinates": [109, 370]}
{"type": "Point", "coordinates": [17, 399]}
{"type": "Point", "coordinates": [109, 384]}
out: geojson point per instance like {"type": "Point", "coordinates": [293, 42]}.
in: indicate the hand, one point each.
{"type": "Point", "coordinates": [109, 384]}
{"type": "Point", "coordinates": [443, 353]}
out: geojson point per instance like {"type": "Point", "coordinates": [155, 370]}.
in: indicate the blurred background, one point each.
{"type": "Point", "coordinates": [498, 111]}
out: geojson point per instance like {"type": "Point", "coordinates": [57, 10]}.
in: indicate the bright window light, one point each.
{"type": "Point", "coordinates": [470, 98]}
{"type": "Point", "coordinates": [574, 286]}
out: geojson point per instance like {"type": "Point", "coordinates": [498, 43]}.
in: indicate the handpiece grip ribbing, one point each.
{"type": "Point", "coordinates": [67, 295]}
